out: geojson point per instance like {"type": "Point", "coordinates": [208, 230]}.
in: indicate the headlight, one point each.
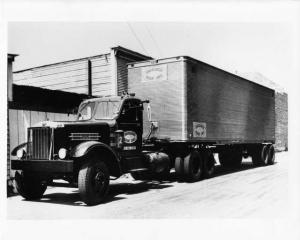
{"type": "Point", "coordinates": [62, 153]}
{"type": "Point", "coordinates": [20, 153]}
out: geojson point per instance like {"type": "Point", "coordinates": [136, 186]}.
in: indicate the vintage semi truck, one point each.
{"type": "Point", "coordinates": [184, 112]}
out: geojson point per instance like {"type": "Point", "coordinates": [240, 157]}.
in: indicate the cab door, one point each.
{"type": "Point", "coordinates": [131, 122]}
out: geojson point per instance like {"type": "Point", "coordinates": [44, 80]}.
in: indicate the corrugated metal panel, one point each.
{"type": "Point", "coordinates": [70, 76]}
{"type": "Point", "coordinates": [166, 97]}
{"type": "Point", "coordinates": [194, 101]}
{"type": "Point", "coordinates": [229, 107]}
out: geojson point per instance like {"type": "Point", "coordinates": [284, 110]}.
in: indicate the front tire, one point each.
{"type": "Point", "coordinates": [93, 182]}
{"type": "Point", "coordinates": [29, 185]}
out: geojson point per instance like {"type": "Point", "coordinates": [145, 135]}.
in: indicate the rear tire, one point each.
{"type": "Point", "coordinates": [29, 185]}
{"type": "Point", "coordinates": [271, 155]}
{"type": "Point", "coordinates": [260, 155]}
{"type": "Point", "coordinates": [93, 182]}
{"type": "Point", "coordinates": [193, 166]}
{"type": "Point", "coordinates": [179, 161]}
{"type": "Point", "coordinates": [208, 164]}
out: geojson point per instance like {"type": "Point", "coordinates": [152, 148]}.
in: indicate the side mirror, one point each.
{"type": "Point", "coordinates": [149, 112]}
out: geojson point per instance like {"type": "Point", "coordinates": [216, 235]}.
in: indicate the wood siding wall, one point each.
{"type": "Point", "coordinates": [70, 76]}
{"type": "Point", "coordinates": [20, 120]}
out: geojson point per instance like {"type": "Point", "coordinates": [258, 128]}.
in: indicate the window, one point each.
{"type": "Point", "coordinates": [107, 109]}
{"type": "Point", "coordinates": [86, 110]}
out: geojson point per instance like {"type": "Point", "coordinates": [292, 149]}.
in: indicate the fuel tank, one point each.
{"type": "Point", "coordinates": [158, 161]}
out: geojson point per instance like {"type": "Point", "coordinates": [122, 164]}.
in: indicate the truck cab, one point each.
{"type": "Point", "coordinates": [105, 141]}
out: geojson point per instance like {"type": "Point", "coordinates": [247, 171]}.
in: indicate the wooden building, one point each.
{"type": "Point", "coordinates": [31, 105]}
{"type": "Point", "coordinates": [281, 123]}
{"type": "Point", "coordinates": [99, 75]}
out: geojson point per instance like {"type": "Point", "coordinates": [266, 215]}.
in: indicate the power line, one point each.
{"type": "Point", "coordinates": [153, 39]}
{"type": "Point", "coordinates": [136, 37]}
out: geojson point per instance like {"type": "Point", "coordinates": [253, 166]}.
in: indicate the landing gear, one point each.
{"type": "Point", "coordinates": [230, 158]}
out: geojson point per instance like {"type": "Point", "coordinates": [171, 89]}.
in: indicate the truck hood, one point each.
{"type": "Point", "coordinates": [61, 124]}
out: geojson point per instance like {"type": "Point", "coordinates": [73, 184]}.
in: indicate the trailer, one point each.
{"type": "Point", "coordinates": [183, 111]}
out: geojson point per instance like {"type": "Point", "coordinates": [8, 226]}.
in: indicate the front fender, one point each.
{"type": "Point", "coordinates": [14, 151]}
{"type": "Point", "coordinates": [84, 148]}
{"type": "Point", "coordinates": [112, 161]}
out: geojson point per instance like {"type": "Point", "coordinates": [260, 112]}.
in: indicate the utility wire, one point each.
{"type": "Point", "coordinates": [136, 37]}
{"type": "Point", "coordinates": [153, 39]}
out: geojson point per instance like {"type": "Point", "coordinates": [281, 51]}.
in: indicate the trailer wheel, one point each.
{"type": "Point", "coordinates": [208, 164]}
{"type": "Point", "coordinates": [93, 182]}
{"type": "Point", "coordinates": [271, 155]}
{"type": "Point", "coordinates": [179, 161]}
{"type": "Point", "coordinates": [193, 166]}
{"type": "Point", "coordinates": [260, 155]}
{"type": "Point", "coordinates": [29, 185]}
{"type": "Point", "coordinates": [230, 158]}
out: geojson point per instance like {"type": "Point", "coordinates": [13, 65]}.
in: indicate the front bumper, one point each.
{"type": "Point", "coordinates": [49, 166]}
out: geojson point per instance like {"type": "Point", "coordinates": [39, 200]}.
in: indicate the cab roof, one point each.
{"type": "Point", "coordinates": [109, 98]}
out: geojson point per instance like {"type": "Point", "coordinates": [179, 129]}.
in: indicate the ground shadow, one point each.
{"type": "Point", "coordinates": [130, 188]}
{"type": "Point", "coordinates": [115, 190]}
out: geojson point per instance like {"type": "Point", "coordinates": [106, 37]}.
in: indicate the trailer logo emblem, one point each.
{"type": "Point", "coordinates": [199, 129]}
{"type": "Point", "coordinates": [130, 137]}
{"type": "Point", "coordinates": [154, 73]}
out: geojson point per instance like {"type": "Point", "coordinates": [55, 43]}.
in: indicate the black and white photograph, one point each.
{"type": "Point", "coordinates": [189, 118]}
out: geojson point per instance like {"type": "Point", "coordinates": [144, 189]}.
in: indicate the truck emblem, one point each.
{"type": "Point", "coordinates": [130, 137]}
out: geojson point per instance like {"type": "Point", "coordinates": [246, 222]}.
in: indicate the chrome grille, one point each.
{"type": "Point", "coordinates": [84, 136]}
{"type": "Point", "coordinates": [39, 139]}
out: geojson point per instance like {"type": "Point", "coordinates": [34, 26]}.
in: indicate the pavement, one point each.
{"type": "Point", "coordinates": [247, 192]}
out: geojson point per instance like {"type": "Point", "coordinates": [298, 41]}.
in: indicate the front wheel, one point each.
{"type": "Point", "coordinates": [93, 182]}
{"type": "Point", "coordinates": [29, 185]}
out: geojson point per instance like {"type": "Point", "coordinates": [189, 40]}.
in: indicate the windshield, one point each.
{"type": "Point", "coordinates": [107, 109]}
{"type": "Point", "coordinates": [86, 110]}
